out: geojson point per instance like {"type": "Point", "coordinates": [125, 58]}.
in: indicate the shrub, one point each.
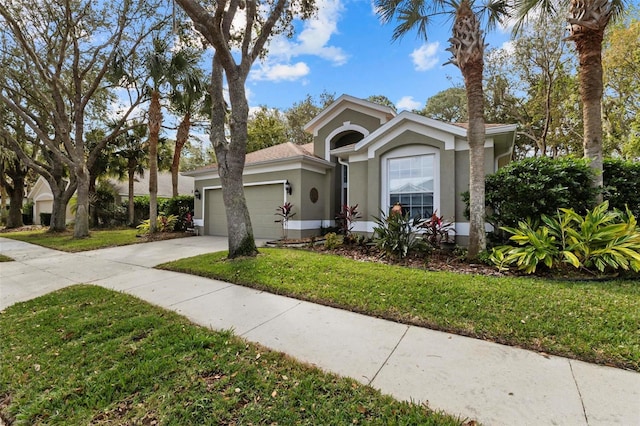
{"type": "Point", "coordinates": [285, 212]}
{"type": "Point", "coordinates": [622, 184]}
{"type": "Point", "coordinates": [436, 230]}
{"type": "Point", "coordinates": [601, 241]}
{"type": "Point", "coordinates": [164, 224]}
{"type": "Point", "coordinates": [537, 186]}
{"type": "Point", "coordinates": [332, 241]}
{"type": "Point", "coordinates": [45, 219]}
{"type": "Point", "coordinates": [346, 219]}
{"type": "Point", "coordinates": [179, 206]}
{"type": "Point", "coordinates": [396, 234]}
{"type": "Point", "coordinates": [141, 207]}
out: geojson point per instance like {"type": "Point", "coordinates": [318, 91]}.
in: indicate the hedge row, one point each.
{"type": "Point", "coordinates": [535, 186]}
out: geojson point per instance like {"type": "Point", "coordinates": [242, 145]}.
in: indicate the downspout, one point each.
{"type": "Point", "coordinates": [509, 153]}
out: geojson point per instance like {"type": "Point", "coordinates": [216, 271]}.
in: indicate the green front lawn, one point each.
{"type": "Point", "coordinates": [4, 258]}
{"type": "Point", "coordinates": [591, 321]}
{"type": "Point", "coordinates": [87, 355]}
{"type": "Point", "coordinates": [97, 239]}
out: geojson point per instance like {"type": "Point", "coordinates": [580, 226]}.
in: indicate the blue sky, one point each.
{"type": "Point", "coordinates": [346, 49]}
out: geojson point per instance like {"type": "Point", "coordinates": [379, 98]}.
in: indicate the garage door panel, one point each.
{"type": "Point", "coordinates": [262, 202]}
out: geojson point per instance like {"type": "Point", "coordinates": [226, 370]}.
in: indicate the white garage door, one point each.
{"type": "Point", "coordinates": [262, 201]}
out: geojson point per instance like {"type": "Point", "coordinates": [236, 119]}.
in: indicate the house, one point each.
{"type": "Point", "coordinates": [42, 196]}
{"type": "Point", "coordinates": [362, 153]}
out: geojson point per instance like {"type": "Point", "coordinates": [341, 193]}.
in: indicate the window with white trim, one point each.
{"type": "Point", "coordinates": [411, 175]}
{"type": "Point", "coordinates": [410, 182]}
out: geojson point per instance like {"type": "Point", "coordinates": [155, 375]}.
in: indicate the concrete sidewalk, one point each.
{"type": "Point", "coordinates": [492, 383]}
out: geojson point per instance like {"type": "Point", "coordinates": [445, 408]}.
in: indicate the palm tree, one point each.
{"type": "Point", "coordinates": [587, 20]}
{"type": "Point", "coordinates": [467, 50]}
{"type": "Point", "coordinates": [163, 69]}
{"type": "Point", "coordinates": [132, 152]}
{"type": "Point", "coordinates": [186, 98]}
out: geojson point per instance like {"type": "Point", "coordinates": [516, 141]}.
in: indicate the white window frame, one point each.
{"type": "Point", "coordinates": [403, 152]}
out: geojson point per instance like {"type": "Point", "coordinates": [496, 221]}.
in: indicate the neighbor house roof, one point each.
{"type": "Point", "coordinates": [140, 186]}
{"type": "Point", "coordinates": [165, 189]}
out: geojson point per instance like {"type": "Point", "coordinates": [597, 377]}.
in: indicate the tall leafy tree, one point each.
{"type": "Point", "coordinates": [266, 127]}
{"type": "Point", "coordinates": [587, 21]}
{"type": "Point", "coordinates": [74, 51]}
{"type": "Point", "coordinates": [302, 112]}
{"type": "Point", "coordinates": [467, 53]}
{"type": "Point", "coordinates": [238, 32]}
{"type": "Point", "coordinates": [448, 105]}
{"type": "Point", "coordinates": [621, 103]}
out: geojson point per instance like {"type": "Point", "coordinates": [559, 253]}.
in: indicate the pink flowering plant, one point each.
{"type": "Point", "coordinates": [285, 212]}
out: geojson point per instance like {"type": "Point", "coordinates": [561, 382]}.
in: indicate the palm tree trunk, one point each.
{"type": "Point", "coordinates": [132, 213]}
{"type": "Point", "coordinates": [476, 137]}
{"type": "Point", "coordinates": [181, 139]}
{"type": "Point", "coordinates": [155, 120]}
{"type": "Point", "coordinates": [591, 88]}
{"type": "Point", "coordinates": [587, 22]}
{"type": "Point", "coordinates": [467, 48]}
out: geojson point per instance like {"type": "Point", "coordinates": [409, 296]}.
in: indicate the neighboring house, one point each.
{"type": "Point", "coordinates": [42, 196]}
{"type": "Point", "coordinates": [362, 153]}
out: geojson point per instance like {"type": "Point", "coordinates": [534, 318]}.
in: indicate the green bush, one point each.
{"type": "Point", "coordinates": [164, 224]}
{"type": "Point", "coordinates": [141, 207]}
{"type": "Point", "coordinates": [622, 184]}
{"type": "Point", "coordinates": [178, 206]}
{"type": "Point", "coordinates": [537, 186]}
{"type": "Point", "coordinates": [396, 234]}
{"type": "Point", "coordinates": [45, 219]}
{"type": "Point", "coordinates": [601, 241]}
{"type": "Point", "coordinates": [332, 241]}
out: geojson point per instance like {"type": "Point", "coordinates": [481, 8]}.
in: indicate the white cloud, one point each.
{"type": "Point", "coordinates": [508, 47]}
{"type": "Point", "coordinates": [314, 37]}
{"type": "Point", "coordinates": [313, 40]}
{"type": "Point", "coordinates": [425, 57]}
{"type": "Point", "coordinates": [408, 103]}
{"type": "Point", "coordinates": [280, 72]}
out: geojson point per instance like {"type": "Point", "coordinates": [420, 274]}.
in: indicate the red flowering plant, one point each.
{"type": "Point", "coordinates": [285, 212]}
{"type": "Point", "coordinates": [436, 230]}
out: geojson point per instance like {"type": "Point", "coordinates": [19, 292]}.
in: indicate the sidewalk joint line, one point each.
{"type": "Point", "coordinates": [575, 381]}
{"type": "Point", "coordinates": [389, 356]}
{"type": "Point", "coordinates": [272, 318]}
{"type": "Point", "coordinates": [199, 296]}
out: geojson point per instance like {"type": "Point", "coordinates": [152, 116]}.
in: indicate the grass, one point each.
{"type": "Point", "coordinates": [4, 258]}
{"type": "Point", "coordinates": [591, 321]}
{"type": "Point", "coordinates": [87, 355]}
{"type": "Point", "coordinates": [64, 241]}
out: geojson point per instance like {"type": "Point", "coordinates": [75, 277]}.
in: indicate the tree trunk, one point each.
{"type": "Point", "coordinates": [476, 137]}
{"type": "Point", "coordinates": [467, 48]}
{"type": "Point", "coordinates": [16, 194]}
{"type": "Point", "coordinates": [155, 120]}
{"type": "Point", "coordinates": [181, 139]}
{"type": "Point", "coordinates": [231, 159]}
{"type": "Point", "coordinates": [132, 206]}
{"type": "Point", "coordinates": [587, 22]}
{"type": "Point", "coordinates": [81, 227]}
{"type": "Point", "coordinates": [591, 86]}
{"type": "Point", "coordinates": [62, 192]}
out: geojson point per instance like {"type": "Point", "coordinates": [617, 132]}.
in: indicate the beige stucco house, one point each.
{"type": "Point", "coordinates": [362, 153]}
